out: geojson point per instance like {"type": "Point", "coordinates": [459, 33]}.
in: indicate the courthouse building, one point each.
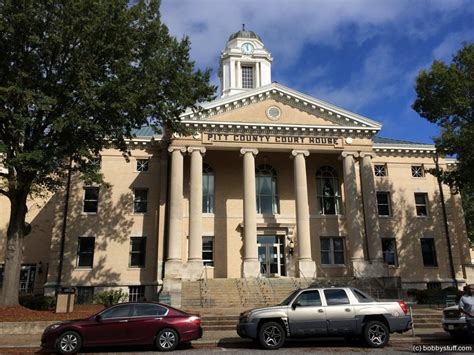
{"type": "Point", "coordinates": [269, 182]}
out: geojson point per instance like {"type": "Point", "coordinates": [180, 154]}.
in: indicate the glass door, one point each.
{"type": "Point", "coordinates": [269, 256]}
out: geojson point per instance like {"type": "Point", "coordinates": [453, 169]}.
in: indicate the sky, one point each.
{"type": "Point", "coordinates": [360, 55]}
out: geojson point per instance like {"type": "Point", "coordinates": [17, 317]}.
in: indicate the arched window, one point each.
{"type": "Point", "coordinates": [207, 189]}
{"type": "Point", "coordinates": [327, 188]}
{"type": "Point", "coordinates": [267, 194]}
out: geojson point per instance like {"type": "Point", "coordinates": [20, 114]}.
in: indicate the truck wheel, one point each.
{"type": "Point", "coordinates": [69, 342]}
{"type": "Point", "coordinates": [271, 335]}
{"type": "Point", "coordinates": [376, 334]}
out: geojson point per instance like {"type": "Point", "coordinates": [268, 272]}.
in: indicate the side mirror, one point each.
{"type": "Point", "coordinates": [98, 318]}
{"type": "Point", "coordinates": [294, 305]}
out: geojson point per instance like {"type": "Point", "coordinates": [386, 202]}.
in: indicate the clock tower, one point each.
{"type": "Point", "coordinates": [245, 63]}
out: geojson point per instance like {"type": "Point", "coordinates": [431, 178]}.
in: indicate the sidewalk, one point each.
{"type": "Point", "coordinates": [230, 338]}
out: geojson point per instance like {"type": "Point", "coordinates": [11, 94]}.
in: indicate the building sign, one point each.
{"type": "Point", "coordinates": [209, 138]}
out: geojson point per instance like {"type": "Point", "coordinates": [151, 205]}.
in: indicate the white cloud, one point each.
{"type": "Point", "coordinates": [377, 77]}
{"type": "Point", "coordinates": [451, 44]}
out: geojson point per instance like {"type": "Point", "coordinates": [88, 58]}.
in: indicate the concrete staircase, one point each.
{"type": "Point", "coordinates": [220, 301]}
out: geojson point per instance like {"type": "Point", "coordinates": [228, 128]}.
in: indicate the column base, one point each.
{"type": "Point", "coordinates": [172, 289]}
{"type": "Point", "coordinates": [306, 269]}
{"type": "Point", "coordinates": [192, 271]}
{"type": "Point", "coordinates": [173, 269]}
{"type": "Point", "coordinates": [251, 268]}
{"type": "Point", "coordinates": [374, 268]}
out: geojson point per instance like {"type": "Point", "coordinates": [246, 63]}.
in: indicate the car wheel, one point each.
{"type": "Point", "coordinates": [167, 340]}
{"type": "Point", "coordinates": [69, 342]}
{"type": "Point", "coordinates": [376, 334]}
{"type": "Point", "coordinates": [271, 335]}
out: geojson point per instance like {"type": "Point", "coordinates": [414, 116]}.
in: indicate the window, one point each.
{"type": "Point", "coordinates": [208, 251]}
{"type": "Point", "coordinates": [149, 310]}
{"type": "Point", "coordinates": [207, 189]}
{"type": "Point", "coordinates": [267, 194]}
{"type": "Point", "coordinates": [85, 251]}
{"type": "Point", "coordinates": [136, 293]}
{"type": "Point", "coordinates": [383, 203]}
{"type": "Point", "coordinates": [96, 162]}
{"type": "Point", "coordinates": [140, 200]}
{"type": "Point", "coordinates": [389, 250]}
{"type": "Point", "coordinates": [417, 171]}
{"type": "Point", "coordinates": [247, 77]}
{"type": "Point", "coordinates": [336, 297]}
{"type": "Point", "coordinates": [332, 251]}
{"type": "Point", "coordinates": [433, 285]}
{"type": "Point", "coordinates": [120, 311]}
{"type": "Point", "coordinates": [361, 296]}
{"type": "Point", "coordinates": [137, 251]}
{"type": "Point", "coordinates": [327, 186]}
{"type": "Point", "coordinates": [380, 170]}
{"type": "Point", "coordinates": [85, 295]}
{"type": "Point", "coordinates": [428, 251]}
{"type": "Point", "coordinates": [421, 202]}
{"type": "Point", "coordinates": [91, 199]}
{"type": "Point", "coordinates": [309, 299]}
{"type": "Point", "coordinates": [142, 165]}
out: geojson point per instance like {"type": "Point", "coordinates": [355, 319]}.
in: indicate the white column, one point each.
{"type": "Point", "coordinates": [239, 75]}
{"type": "Point", "coordinates": [174, 260]}
{"type": "Point", "coordinates": [251, 265]}
{"type": "Point", "coordinates": [353, 214]}
{"type": "Point", "coordinates": [306, 265]}
{"type": "Point", "coordinates": [257, 75]}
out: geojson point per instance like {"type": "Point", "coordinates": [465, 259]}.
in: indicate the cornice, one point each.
{"type": "Point", "coordinates": [404, 149]}
{"type": "Point", "coordinates": [285, 95]}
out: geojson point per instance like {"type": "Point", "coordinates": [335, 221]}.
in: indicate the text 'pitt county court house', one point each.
{"type": "Point", "coordinates": [272, 184]}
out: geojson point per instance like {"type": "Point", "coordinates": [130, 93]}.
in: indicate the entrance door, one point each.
{"type": "Point", "coordinates": [269, 255]}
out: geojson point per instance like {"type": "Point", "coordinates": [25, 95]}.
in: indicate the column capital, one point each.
{"type": "Point", "coordinates": [296, 152]}
{"type": "Point", "coordinates": [243, 151]}
{"type": "Point", "coordinates": [174, 148]}
{"type": "Point", "coordinates": [346, 154]}
{"type": "Point", "coordinates": [367, 154]}
{"type": "Point", "coordinates": [202, 150]}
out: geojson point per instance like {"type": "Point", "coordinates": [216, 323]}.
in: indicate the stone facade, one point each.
{"type": "Point", "coordinates": [271, 182]}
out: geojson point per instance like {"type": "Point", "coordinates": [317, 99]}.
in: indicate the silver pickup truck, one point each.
{"type": "Point", "coordinates": [335, 311]}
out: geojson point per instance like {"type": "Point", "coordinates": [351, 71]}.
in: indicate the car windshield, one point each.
{"type": "Point", "coordinates": [287, 300]}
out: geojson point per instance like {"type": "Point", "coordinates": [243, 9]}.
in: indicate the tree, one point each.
{"type": "Point", "coordinates": [75, 76]}
{"type": "Point", "coordinates": [445, 96]}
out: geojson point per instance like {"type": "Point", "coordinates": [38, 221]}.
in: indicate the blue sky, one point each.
{"type": "Point", "coordinates": [361, 55]}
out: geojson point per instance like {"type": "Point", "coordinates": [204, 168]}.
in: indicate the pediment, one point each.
{"type": "Point", "coordinates": [276, 105]}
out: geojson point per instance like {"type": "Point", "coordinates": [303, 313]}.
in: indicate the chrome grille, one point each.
{"type": "Point", "coordinates": [452, 314]}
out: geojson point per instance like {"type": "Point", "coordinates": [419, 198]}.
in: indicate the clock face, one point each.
{"type": "Point", "coordinates": [247, 48]}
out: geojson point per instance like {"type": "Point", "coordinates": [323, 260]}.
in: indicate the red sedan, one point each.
{"type": "Point", "coordinates": [125, 324]}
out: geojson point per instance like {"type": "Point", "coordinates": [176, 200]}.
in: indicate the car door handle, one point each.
{"type": "Point", "coordinates": [320, 310]}
{"type": "Point", "coordinates": [159, 318]}
{"type": "Point", "coordinates": [123, 321]}
{"type": "Point", "coordinates": [347, 309]}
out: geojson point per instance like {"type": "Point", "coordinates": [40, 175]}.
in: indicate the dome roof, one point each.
{"type": "Point", "coordinates": [244, 34]}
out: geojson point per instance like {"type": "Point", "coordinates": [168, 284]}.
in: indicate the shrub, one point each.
{"type": "Point", "coordinates": [109, 298]}
{"type": "Point", "coordinates": [38, 302]}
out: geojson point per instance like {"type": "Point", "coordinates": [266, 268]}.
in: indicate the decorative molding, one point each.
{"type": "Point", "coordinates": [346, 154]}
{"type": "Point", "coordinates": [171, 149]}
{"type": "Point", "coordinates": [202, 150]}
{"type": "Point", "coordinates": [295, 152]}
{"type": "Point", "coordinates": [367, 154]}
{"type": "Point", "coordinates": [243, 151]}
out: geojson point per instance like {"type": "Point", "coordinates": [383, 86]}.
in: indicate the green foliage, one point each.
{"type": "Point", "coordinates": [75, 75]}
{"type": "Point", "coordinates": [433, 296]}
{"type": "Point", "coordinates": [468, 206]}
{"type": "Point", "coordinates": [445, 96]}
{"type": "Point", "coordinates": [38, 302]}
{"type": "Point", "coordinates": [109, 298]}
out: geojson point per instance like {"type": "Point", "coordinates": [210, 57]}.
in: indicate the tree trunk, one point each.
{"type": "Point", "coordinates": [14, 251]}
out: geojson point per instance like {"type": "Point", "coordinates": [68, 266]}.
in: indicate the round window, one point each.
{"type": "Point", "coordinates": [273, 113]}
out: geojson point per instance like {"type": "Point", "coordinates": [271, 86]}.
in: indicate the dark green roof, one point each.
{"type": "Point", "coordinates": [383, 140]}
{"type": "Point", "coordinates": [244, 34]}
